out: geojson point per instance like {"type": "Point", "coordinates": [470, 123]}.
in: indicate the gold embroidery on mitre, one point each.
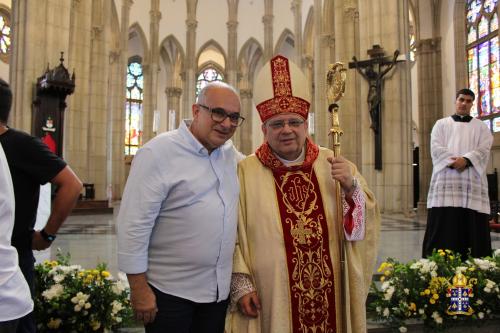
{"type": "Point", "coordinates": [283, 100]}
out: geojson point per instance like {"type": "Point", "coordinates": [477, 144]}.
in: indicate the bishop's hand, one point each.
{"type": "Point", "coordinates": [341, 171]}
{"type": "Point", "coordinates": [249, 304]}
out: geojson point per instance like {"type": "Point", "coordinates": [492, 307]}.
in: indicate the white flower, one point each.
{"type": "Point", "coordinates": [388, 293]}
{"type": "Point", "coordinates": [421, 311]}
{"type": "Point", "coordinates": [460, 270]}
{"type": "Point", "coordinates": [484, 264]}
{"type": "Point", "coordinates": [437, 317]}
{"type": "Point", "coordinates": [490, 284]}
{"type": "Point", "coordinates": [118, 287]}
{"type": "Point", "coordinates": [496, 253]}
{"type": "Point", "coordinates": [58, 278]}
{"type": "Point", "coordinates": [118, 319]}
{"type": "Point", "coordinates": [407, 291]}
{"type": "Point", "coordinates": [77, 308]}
{"type": "Point", "coordinates": [55, 291]}
{"type": "Point", "coordinates": [479, 302]}
{"type": "Point", "coordinates": [378, 309]}
{"type": "Point", "coordinates": [117, 307]}
{"type": "Point", "coordinates": [403, 329]}
{"type": "Point", "coordinates": [480, 315]}
{"type": "Point", "coordinates": [386, 312]}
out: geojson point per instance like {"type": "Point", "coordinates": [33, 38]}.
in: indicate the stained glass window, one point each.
{"type": "Point", "coordinates": [412, 36]}
{"type": "Point", "coordinates": [208, 75]}
{"type": "Point", "coordinates": [133, 107]}
{"type": "Point", "coordinates": [483, 60]}
{"type": "Point", "coordinates": [5, 36]}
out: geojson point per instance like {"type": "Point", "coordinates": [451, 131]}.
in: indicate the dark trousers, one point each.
{"type": "Point", "coordinates": [8, 326]}
{"type": "Point", "coordinates": [458, 229]}
{"type": "Point", "coordinates": [178, 315]}
{"type": "Point", "coordinates": [26, 324]}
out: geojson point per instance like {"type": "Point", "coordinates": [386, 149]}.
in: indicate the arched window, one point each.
{"type": "Point", "coordinates": [208, 75]}
{"type": "Point", "coordinates": [483, 61]}
{"type": "Point", "coordinates": [412, 35]}
{"type": "Point", "coordinates": [133, 108]}
{"type": "Point", "coordinates": [5, 35]}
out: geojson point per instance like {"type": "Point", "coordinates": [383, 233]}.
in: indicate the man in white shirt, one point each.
{"type": "Point", "coordinates": [15, 298]}
{"type": "Point", "coordinates": [177, 221]}
{"type": "Point", "coordinates": [458, 200]}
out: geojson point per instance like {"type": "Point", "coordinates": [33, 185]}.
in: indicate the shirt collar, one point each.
{"type": "Point", "coordinates": [462, 119]}
{"type": "Point", "coordinates": [193, 141]}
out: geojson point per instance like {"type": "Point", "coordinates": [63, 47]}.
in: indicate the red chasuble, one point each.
{"type": "Point", "coordinates": [305, 234]}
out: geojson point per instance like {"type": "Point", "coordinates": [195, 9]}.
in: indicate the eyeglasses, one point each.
{"type": "Point", "coordinates": [280, 124]}
{"type": "Point", "coordinates": [219, 115]}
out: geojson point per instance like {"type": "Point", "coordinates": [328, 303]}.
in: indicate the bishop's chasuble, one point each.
{"type": "Point", "coordinates": [288, 244]}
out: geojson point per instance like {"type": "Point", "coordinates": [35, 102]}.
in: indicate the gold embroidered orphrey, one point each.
{"type": "Point", "coordinates": [309, 262]}
{"type": "Point", "coordinates": [299, 231]}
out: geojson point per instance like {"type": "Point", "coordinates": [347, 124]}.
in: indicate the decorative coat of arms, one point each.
{"type": "Point", "coordinates": [459, 294]}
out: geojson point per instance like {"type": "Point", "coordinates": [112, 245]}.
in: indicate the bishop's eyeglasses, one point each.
{"type": "Point", "coordinates": [280, 124]}
{"type": "Point", "coordinates": [219, 115]}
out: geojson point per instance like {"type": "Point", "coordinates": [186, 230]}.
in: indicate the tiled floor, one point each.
{"type": "Point", "coordinates": [91, 239]}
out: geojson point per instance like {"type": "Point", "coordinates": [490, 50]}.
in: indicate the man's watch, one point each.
{"type": "Point", "coordinates": [354, 183]}
{"type": "Point", "coordinates": [48, 237]}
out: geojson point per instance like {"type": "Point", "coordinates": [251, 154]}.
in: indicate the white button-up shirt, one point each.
{"type": "Point", "coordinates": [178, 215]}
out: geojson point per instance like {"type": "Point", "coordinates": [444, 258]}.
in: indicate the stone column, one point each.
{"type": "Point", "coordinates": [97, 111]}
{"type": "Point", "coordinates": [267, 19]}
{"type": "Point", "coordinates": [245, 131]}
{"type": "Point", "coordinates": [173, 103]}
{"type": "Point", "coordinates": [81, 37]}
{"type": "Point", "coordinates": [232, 44]}
{"type": "Point", "coordinates": [430, 100]}
{"type": "Point", "coordinates": [297, 25]}
{"type": "Point", "coordinates": [119, 97]}
{"type": "Point", "coordinates": [151, 73]}
{"type": "Point", "coordinates": [346, 18]}
{"type": "Point", "coordinates": [190, 64]}
{"type": "Point", "coordinates": [322, 44]}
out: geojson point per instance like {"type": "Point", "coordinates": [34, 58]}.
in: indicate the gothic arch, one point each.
{"type": "Point", "coordinates": [172, 55]}
{"type": "Point", "coordinates": [213, 45]}
{"type": "Point", "coordinates": [285, 44]}
{"type": "Point", "coordinates": [136, 34]}
{"type": "Point", "coordinates": [308, 37]}
{"type": "Point", "coordinates": [248, 61]}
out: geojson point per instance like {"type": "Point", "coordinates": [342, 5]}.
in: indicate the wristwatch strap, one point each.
{"type": "Point", "coordinates": [48, 237]}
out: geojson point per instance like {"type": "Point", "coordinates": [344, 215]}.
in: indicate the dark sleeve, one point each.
{"type": "Point", "coordinates": [37, 160]}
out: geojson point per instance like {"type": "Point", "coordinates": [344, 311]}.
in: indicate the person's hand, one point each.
{"type": "Point", "coordinates": [250, 304]}
{"type": "Point", "coordinates": [143, 302]}
{"type": "Point", "coordinates": [341, 172]}
{"type": "Point", "coordinates": [458, 163]}
{"type": "Point", "coordinates": [38, 242]}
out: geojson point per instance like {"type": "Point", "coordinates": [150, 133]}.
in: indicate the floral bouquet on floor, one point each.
{"type": "Point", "coordinates": [72, 299]}
{"type": "Point", "coordinates": [441, 291]}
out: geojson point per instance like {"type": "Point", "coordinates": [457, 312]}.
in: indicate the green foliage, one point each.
{"type": "Point", "coordinates": [72, 299]}
{"type": "Point", "coordinates": [418, 291]}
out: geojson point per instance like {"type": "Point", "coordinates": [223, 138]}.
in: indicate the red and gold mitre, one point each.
{"type": "Point", "coordinates": [281, 87]}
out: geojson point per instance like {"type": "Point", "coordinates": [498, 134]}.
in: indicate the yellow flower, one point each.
{"type": "Point", "coordinates": [442, 254]}
{"type": "Point", "coordinates": [427, 291]}
{"type": "Point", "coordinates": [54, 323]}
{"type": "Point", "coordinates": [448, 251]}
{"type": "Point", "coordinates": [387, 273]}
{"type": "Point", "coordinates": [95, 325]}
{"type": "Point", "coordinates": [451, 257]}
{"type": "Point", "coordinates": [105, 274]}
{"type": "Point", "coordinates": [382, 278]}
{"type": "Point", "coordinates": [432, 301]}
{"type": "Point", "coordinates": [435, 296]}
{"type": "Point", "coordinates": [413, 306]}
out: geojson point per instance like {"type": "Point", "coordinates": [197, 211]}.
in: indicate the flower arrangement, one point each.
{"type": "Point", "coordinates": [423, 289]}
{"type": "Point", "coordinates": [72, 299]}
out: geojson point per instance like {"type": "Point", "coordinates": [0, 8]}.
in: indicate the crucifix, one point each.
{"type": "Point", "coordinates": [373, 70]}
{"type": "Point", "coordinates": [300, 231]}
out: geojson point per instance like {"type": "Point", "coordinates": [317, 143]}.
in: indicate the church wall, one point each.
{"type": "Point", "coordinates": [173, 20]}
{"type": "Point", "coordinates": [212, 23]}
{"type": "Point", "coordinates": [139, 12]}
{"type": "Point", "coordinates": [283, 19]}
{"type": "Point", "coordinates": [250, 15]}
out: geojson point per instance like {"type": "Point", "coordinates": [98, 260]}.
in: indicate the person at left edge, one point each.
{"type": "Point", "coordinates": [177, 220]}
{"type": "Point", "coordinates": [15, 299]}
{"type": "Point", "coordinates": [32, 164]}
